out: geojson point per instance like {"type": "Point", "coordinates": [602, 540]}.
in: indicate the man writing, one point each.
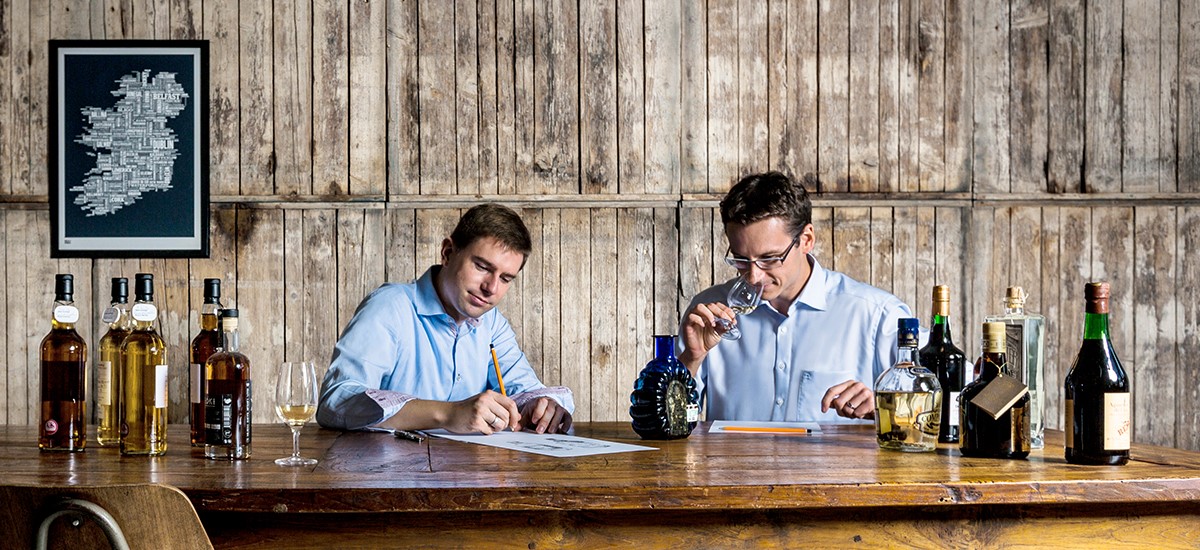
{"type": "Point", "coordinates": [814, 346]}
{"type": "Point", "coordinates": [417, 356]}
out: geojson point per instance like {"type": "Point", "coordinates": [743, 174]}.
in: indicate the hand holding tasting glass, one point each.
{"type": "Point", "coordinates": [744, 297]}
{"type": "Point", "coordinates": [295, 404]}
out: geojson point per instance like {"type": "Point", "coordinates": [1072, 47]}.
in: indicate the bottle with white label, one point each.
{"type": "Point", "coordinates": [63, 372]}
{"type": "Point", "coordinates": [947, 361]}
{"type": "Point", "coordinates": [1098, 423]}
{"type": "Point", "coordinates": [144, 377]}
{"type": "Point", "coordinates": [108, 367]}
{"type": "Point", "coordinates": [227, 387]}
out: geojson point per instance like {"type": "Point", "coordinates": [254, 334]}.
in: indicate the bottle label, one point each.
{"type": "Point", "coordinates": [1117, 425]}
{"type": "Point", "coordinates": [1069, 423]}
{"type": "Point", "coordinates": [104, 383]}
{"type": "Point", "coordinates": [66, 314]}
{"type": "Point", "coordinates": [160, 386]}
{"type": "Point", "coordinates": [110, 315]}
{"type": "Point", "coordinates": [954, 410]}
{"type": "Point", "coordinates": [197, 381]}
{"type": "Point", "coordinates": [144, 312]}
{"type": "Point", "coordinates": [693, 412]}
{"type": "Point", "coordinates": [1014, 334]}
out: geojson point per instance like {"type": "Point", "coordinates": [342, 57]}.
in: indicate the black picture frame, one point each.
{"type": "Point", "coordinates": [128, 148]}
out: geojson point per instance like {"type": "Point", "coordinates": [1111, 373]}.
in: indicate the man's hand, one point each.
{"type": "Point", "coordinates": [701, 332]}
{"type": "Point", "coordinates": [544, 415]}
{"type": "Point", "coordinates": [850, 399]}
{"type": "Point", "coordinates": [486, 413]}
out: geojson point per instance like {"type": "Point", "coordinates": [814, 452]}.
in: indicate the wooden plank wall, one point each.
{"type": "Point", "coordinates": [976, 144]}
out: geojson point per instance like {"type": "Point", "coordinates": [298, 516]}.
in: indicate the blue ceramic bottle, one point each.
{"type": "Point", "coordinates": [664, 402]}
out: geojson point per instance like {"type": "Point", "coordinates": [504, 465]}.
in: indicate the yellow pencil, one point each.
{"type": "Point", "coordinates": [496, 364]}
{"type": "Point", "coordinates": [757, 429]}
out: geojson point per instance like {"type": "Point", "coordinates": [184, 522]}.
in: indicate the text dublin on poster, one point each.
{"type": "Point", "coordinates": [129, 148]}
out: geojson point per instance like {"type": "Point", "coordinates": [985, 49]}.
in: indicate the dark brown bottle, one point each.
{"type": "Point", "coordinates": [1098, 424]}
{"type": "Point", "coordinates": [206, 342]}
{"type": "Point", "coordinates": [948, 362]}
{"type": "Point", "coordinates": [228, 396]}
{"type": "Point", "coordinates": [982, 435]}
{"type": "Point", "coordinates": [64, 375]}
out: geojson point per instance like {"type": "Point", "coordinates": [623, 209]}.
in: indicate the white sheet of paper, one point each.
{"type": "Point", "coordinates": [556, 445]}
{"type": "Point", "coordinates": [722, 426]}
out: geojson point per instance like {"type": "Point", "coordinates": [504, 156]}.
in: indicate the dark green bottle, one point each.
{"type": "Point", "coordinates": [1098, 422]}
{"type": "Point", "coordinates": [946, 361]}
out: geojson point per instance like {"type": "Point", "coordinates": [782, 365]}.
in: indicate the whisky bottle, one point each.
{"type": "Point", "coordinates": [1026, 356]}
{"type": "Point", "coordinates": [108, 367]}
{"type": "Point", "coordinates": [1098, 424]}
{"type": "Point", "coordinates": [228, 401]}
{"type": "Point", "coordinates": [1004, 434]}
{"type": "Point", "coordinates": [64, 375]}
{"type": "Point", "coordinates": [664, 403]}
{"type": "Point", "coordinates": [941, 356]}
{"type": "Point", "coordinates": [144, 377]}
{"type": "Point", "coordinates": [908, 398]}
{"type": "Point", "coordinates": [203, 346]}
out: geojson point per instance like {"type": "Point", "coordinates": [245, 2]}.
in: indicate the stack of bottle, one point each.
{"type": "Point", "coordinates": [132, 376]}
{"type": "Point", "coordinates": [923, 399]}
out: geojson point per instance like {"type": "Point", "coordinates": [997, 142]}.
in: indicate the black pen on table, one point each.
{"type": "Point", "coordinates": [411, 436]}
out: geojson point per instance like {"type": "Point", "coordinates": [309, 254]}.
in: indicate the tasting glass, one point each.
{"type": "Point", "coordinates": [743, 297]}
{"type": "Point", "coordinates": [295, 404]}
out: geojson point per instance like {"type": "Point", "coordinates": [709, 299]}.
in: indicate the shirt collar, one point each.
{"type": "Point", "coordinates": [427, 302]}
{"type": "Point", "coordinates": [816, 291]}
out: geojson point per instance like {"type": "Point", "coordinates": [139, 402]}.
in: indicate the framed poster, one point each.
{"type": "Point", "coordinates": [128, 148]}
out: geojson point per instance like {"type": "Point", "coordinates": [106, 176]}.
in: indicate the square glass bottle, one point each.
{"type": "Point", "coordinates": [1026, 344]}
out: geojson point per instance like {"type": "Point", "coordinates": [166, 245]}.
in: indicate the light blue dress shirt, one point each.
{"type": "Point", "coordinates": [402, 345]}
{"type": "Point", "coordinates": [838, 329]}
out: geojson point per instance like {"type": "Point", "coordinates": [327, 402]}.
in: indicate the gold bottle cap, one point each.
{"type": "Point", "coordinates": [941, 300]}
{"type": "Point", "coordinates": [1014, 297]}
{"type": "Point", "coordinates": [1096, 295]}
{"type": "Point", "coordinates": [993, 337]}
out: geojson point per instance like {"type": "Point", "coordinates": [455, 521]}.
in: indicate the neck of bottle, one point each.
{"type": "Point", "coordinates": [906, 353]}
{"type": "Point", "coordinates": [1095, 326]}
{"type": "Point", "coordinates": [229, 339]}
{"type": "Point", "coordinates": [664, 347]}
{"type": "Point", "coordinates": [1014, 309]}
{"type": "Point", "coordinates": [940, 332]}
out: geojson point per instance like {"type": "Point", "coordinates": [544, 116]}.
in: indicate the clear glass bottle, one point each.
{"type": "Point", "coordinates": [1026, 334]}
{"type": "Point", "coordinates": [144, 375]}
{"type": "Point", "coordinates": [941, 356]}
{"type": "Point", "coordinates": [908, 398]}
{"type": "Point", "coordinates": [664, 402]}
{"type": "Point", "coordinates": [64, 375]}
{"type": "Point", "coordinates": [204, 345]}
{"type": "Point", "coordinates": [1006, 436]}
{"type": "Point", "coordinates": [228, 396]}
{"type": "Point", "coordinates": [108, 366]}
{"type": "Point", "coordinates": [1098, 420]}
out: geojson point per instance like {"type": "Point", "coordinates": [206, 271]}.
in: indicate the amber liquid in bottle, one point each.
{"type": "Point", "coordinates": [1098, 423]}
{"type": "Point", "coordinates": [64, 375]}
{"type": "Point", "coordinates": [108, 367]}
{"type": "Point", "coordinates": [144, 378]}
{"type": "Point", "coordinates": [206, 342]}
{"type": "Point", "coordinates": [228, 396]}
{"type": "Point", "coordinates": [983, 436]}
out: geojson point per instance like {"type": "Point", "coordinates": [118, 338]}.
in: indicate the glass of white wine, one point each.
{"type": "Point", "coordinates": [295, 404]}
{"type": "Point", "coordinates": [744, 297]}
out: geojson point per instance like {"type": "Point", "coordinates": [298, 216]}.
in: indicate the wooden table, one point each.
{"type": "Point", "coordinates": [832, 489]}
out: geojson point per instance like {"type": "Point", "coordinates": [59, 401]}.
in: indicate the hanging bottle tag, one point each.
{"type": "Point", "coordinates": [110, 315]}
{"type": "Point", "coordinates": [1000, 395]}
{"type": "Point", "coordinates": [66, 314]}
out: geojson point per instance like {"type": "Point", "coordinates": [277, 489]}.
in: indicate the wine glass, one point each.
{"type": "Point", "coordinates": [295, 404]}
{"type": "Point", "coordinates": [744, 297]}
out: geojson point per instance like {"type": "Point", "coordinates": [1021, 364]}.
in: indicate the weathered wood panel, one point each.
{"type": "Point", "coordinates": [662, 61]}
{"type": "Point", "coordinates": [330, 98]}
{"type": "Point", "coordinates": [1102, 98]}
{"type": "Point", "coordinates": [991, 68]}
{"type": "Point", "coordinates": [292, 93]}
{"type": "Point", "coordinates": [833, 98]}
{"type": "Point", "coordinates": [256, 97]}
{"type": "Point", "coordinates": [865, 97]}
{"type": "Point", "coordinates": [1027, 99]}
{"type": "Point", "coordinates": [931, 103]}
{"type": "Point", "coordinates": [1153, 363]}
{"type": "Point", "coordinates": [598, 75]}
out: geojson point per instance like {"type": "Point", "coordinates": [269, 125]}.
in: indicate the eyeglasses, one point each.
{"type": "Point", "coordinates": [765, 264]}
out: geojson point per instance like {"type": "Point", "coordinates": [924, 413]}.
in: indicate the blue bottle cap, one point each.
{"type": "Point", "coordinates": [909, 330]}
